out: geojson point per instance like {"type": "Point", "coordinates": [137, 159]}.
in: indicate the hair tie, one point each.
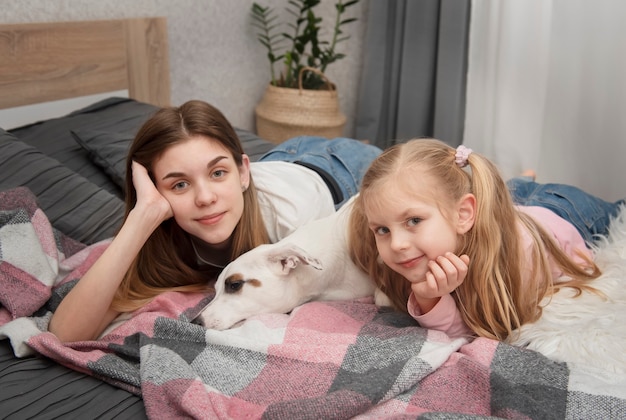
{"type": "Point", "coordinates": [462, 153]}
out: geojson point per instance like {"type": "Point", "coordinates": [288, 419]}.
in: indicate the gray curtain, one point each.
{"type": "Point", "coordinates": [415, 64]}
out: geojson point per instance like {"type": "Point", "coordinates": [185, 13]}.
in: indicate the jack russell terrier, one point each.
{"type": "Point", "coordinates": [312, 263]}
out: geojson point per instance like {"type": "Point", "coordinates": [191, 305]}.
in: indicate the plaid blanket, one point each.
{"type": "Point", "coordinates": [331, 360]}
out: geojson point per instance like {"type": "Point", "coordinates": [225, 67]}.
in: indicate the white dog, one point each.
{"type": "Point", "coordinates": [312, 263]}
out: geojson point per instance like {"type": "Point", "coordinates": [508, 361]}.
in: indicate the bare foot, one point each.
{"type": "Point", "coordinates": [530, 173]}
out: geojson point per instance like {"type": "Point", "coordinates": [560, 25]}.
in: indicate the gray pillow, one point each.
{"type": "Point", "coordinates": [52, 137]}
{"type": "Point", "coordinates": [74, 205]}
{"type": "Point", "coordinates": [107, 150]}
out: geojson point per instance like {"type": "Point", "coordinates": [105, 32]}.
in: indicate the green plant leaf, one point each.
{"type": "Point", "coordinates": [304, 40]}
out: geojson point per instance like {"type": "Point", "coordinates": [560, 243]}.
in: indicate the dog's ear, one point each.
{"type": "Point", "coordinates": [290, 256]}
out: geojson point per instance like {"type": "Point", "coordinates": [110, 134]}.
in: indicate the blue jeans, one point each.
{"type": "Point", "coordinates": [590, 215]}
{"type": "Point", "coordinates": [342, 160]}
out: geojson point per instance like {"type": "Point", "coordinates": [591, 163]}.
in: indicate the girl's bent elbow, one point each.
{"type": "Point", "coordinates": [67, 334]}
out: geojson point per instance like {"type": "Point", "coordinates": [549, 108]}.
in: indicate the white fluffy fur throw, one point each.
{"type": "Point", "coordinates": [588, 331]}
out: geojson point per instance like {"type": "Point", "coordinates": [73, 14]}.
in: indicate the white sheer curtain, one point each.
{"type": "Point", "coordinates": [547, 90]}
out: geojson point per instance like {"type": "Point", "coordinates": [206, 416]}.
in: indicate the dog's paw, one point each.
{"type": "Point", "coordinates": [381, 299]}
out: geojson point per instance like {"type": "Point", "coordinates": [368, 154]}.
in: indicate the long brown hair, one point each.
{"type": "Point", "coordinates": [167, 261]}
{"type": "Point", "coordinates": [493, 299]}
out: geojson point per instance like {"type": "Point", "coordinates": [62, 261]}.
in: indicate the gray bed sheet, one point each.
{"type": "Point", "coordinates": [38, 388]}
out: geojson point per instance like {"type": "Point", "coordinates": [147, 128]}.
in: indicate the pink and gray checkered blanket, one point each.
{"type": "Point", "coordinates": [324, 360]}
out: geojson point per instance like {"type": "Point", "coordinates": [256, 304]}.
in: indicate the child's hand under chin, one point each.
{"type": "Point", "coordinates": [447, 272]}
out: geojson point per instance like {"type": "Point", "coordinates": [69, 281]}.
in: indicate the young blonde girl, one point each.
{"type": "Point", "coordinates": [476, 263]}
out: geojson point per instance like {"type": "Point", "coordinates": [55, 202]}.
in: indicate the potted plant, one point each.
{"type": "Point", "coordinates": [300, 99]}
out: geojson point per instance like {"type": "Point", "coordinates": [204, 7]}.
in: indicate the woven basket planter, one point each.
{"type": "Point", "coordinates": [284, 113]}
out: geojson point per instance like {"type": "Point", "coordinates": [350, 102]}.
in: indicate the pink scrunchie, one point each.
{"type": "Point", "coordinates": [462, 153]}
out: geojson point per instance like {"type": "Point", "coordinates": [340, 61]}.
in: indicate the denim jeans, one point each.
{"type": "Point", "coordinates": [590, 215]}
{"type": "Point", "coordinates": [344, 159]}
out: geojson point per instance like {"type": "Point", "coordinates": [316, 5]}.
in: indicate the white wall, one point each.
{"type": "Point", "coordinates": [214, 53]}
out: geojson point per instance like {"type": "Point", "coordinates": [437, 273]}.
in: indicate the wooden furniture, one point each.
{"type": "Point", "coordinates": [59, 60]}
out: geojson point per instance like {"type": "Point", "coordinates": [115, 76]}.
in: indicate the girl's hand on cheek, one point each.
{"type": "Point", "coordinates": [148, 197]}
{"type": "Point", "coordinates": [447, 272]}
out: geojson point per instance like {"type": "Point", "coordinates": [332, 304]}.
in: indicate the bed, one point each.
{"type": "Point", "coordinates": [61, 201]}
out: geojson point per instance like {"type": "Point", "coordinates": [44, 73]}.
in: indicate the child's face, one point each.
{"type": "Point", "coordinates": [409, 227]}
{"type": "Point", "coordinates": [203, 184]}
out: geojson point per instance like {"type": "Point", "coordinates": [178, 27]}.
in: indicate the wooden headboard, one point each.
{"type": "Point", "coordinates": [42, 62]}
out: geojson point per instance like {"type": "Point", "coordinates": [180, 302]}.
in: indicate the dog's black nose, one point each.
{"type": "Point", "coordinates": [198, 320]}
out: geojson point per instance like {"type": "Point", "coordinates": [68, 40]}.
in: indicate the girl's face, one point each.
{"type": "Point", "coordinates": [409, 226]}
{"type": "Point", "coordinates": [204, 186]}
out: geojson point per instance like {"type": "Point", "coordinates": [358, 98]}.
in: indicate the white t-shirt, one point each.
{"type": "Point", "coordinates": [289, 196]}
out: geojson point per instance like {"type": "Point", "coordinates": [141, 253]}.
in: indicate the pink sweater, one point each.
{"type": "Point", "coordinates": [446, 317]}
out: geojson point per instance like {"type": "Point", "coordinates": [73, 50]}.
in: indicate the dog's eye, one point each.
{"type": "Point", "coordinates": [233, 286]}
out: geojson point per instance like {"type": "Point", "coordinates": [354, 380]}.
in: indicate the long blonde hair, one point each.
{"type": "Point", "coordinates": [167, 261]}
{"type": "Point", "coordinates": [493, 299]}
